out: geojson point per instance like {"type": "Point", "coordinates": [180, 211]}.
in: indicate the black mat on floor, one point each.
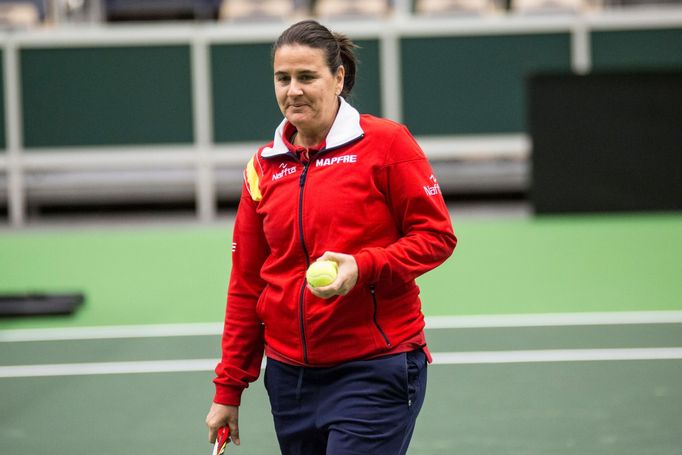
{"type": "Point", "coordinates": [39, 304]}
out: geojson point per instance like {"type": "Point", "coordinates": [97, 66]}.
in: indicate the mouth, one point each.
{"type": "Point", "coordinates": [297, 104]}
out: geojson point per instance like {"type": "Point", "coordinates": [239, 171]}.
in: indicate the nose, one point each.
{"type": "Point", "coordinates": [294, 88]}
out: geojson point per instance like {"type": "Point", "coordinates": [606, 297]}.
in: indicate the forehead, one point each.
{"type": "Point", "coordinates": [298, 57]}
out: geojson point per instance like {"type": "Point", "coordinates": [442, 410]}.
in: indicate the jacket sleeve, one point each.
{"type": "Point", "coordinates": [242, 341]}
{"type": "Point", "coordinates": [413, 194]}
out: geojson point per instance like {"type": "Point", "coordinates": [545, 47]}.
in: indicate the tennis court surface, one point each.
{"type": "Point", "coordinates": [559, 335]}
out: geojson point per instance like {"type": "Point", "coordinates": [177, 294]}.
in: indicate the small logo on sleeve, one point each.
{"type": "Point", "coordinates": [432, 188]}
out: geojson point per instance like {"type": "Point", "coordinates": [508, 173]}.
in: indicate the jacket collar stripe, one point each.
{"type": "Point", "coordinates": [345, 129]}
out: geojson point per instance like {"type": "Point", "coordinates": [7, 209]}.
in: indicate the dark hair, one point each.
{"type": "Point", "coordinates": [338, 48]}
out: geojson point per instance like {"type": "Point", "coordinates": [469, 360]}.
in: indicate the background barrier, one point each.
{"type": "Point", "coordinates": [134, 113]}
{"type": "Point", "coordinates": [606, 142]}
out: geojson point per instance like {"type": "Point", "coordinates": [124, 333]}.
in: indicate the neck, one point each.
{"type": "Point", "coordinates": [309, 139]}
{"type": "Point", "coordinates": [305, 137]}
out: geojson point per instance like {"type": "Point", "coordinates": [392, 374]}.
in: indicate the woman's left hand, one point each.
{"type": "Point", "coordinates": [345, 280]}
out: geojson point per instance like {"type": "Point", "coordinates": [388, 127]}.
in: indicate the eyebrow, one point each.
{"type": "Point", "coordinates": [304, 72]}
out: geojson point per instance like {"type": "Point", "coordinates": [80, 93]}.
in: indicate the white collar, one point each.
{"type": "Point", "coordinates": [346, 128]}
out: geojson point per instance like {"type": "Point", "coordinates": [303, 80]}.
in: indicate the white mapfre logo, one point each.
{"type": "Point", "coordinates": [336, 160]}
{"type": "Point", "coordinates": [284, 171]}
{"type": "Point", "coordinates": [432, 190]}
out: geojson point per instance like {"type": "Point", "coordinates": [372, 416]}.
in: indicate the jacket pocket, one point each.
{"type": "Point", "coordinates": [415, 364]}
{"type": "Point", "coordinates": [375, 315]}
{"type": "Point", "coordinates": [260, 304]}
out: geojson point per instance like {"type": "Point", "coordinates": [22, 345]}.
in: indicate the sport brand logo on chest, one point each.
{"type": "Point", "coordinates": [284, 171]}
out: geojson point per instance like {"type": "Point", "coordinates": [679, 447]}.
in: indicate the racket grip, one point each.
{"type": "Point", "coordinates": [221, 441]}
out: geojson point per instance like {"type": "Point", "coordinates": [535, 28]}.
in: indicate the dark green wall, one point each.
{"type": "Point", "coordinates": [128, 95]}
{"type": "Point", "coordinates": [366, 95]}
{"type": "Point", "coordinates": [3, 135]}
{"type": "Point", "coordinates": [475, 84]}
{"type": "Point", "coordinates": [244, 105]}
{"type": "Point", "coordinates": [106, 96]}
{"type": "Point", "coordinates": [637, 49]}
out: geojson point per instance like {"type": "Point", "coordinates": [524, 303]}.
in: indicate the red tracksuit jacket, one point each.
{"type": "Point", "coordinates": [368, 191]}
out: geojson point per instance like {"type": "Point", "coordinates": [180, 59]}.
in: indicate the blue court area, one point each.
{"type": "Point", "coordinates": [560, 384]}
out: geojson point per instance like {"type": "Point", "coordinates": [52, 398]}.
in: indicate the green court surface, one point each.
{"type": "Point", "coordinates": [500, 387]}
{"type": "Point", "coordinates": [528, 265]}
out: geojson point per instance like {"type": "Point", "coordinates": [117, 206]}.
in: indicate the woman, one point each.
{"type": "Point", "coordinates": [346, 363]}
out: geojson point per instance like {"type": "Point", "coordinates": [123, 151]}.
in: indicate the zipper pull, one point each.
{"type": "Point", "coordinates": [301, 180]}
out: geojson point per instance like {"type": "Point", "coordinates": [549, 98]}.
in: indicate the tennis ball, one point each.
{"type": "Point", "coordinates": [322, 273]}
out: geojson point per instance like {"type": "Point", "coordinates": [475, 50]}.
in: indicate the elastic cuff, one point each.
{"type": "Point", "coordinates": [227, 395]}
{"type": "Point", "coordinates": [364, 263]}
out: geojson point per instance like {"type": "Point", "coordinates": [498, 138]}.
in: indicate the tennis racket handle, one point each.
{"type": "Point", "coordinates": [221, 441]}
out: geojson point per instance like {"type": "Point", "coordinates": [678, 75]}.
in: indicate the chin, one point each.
{"type": "Point", "coordinates": [298, 120]}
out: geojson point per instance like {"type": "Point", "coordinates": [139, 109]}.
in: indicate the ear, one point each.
{"type": "Point", "coordinates": [339, 76]}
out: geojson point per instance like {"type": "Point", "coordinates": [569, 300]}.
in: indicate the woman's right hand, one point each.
{"type": "Point", "coordinates": [221, 415]}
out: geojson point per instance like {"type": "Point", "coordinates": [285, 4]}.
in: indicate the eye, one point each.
{"type": "Point", "coordinates": [282, 78]}
{"type": "Point", "coordinates": [307, 78]}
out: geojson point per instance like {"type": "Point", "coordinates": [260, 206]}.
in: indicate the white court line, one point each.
{"type": "Point", "coordinates": [555, 355]}
{"type": "Point", "coordinates": [439, 358]}
{"type": "Point", "coordinates": [85, 369]}
{"type": "Point", "coordinates": [554, 319]}
{"type": "Point", "coordinates": [432, 322]}
{"type": "Point", "coordinates": [111, 332]}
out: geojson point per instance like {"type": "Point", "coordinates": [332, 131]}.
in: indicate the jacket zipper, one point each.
{"type": "Point", "coordinates": [301, 300]}
{"type": "Point", "coordinates": [301, 182]}
{"type": "Point", "coordinates": [374, 317]}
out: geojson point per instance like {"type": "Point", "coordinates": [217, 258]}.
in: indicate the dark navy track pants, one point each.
{"type": "Point", "coordinates": [364, 407]}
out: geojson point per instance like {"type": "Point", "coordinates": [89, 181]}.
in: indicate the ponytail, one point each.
{"type": "Point", "coordinates": [348, 60]}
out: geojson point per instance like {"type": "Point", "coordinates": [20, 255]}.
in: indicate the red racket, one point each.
{"type": "Point", "coordinates": [221, 441]}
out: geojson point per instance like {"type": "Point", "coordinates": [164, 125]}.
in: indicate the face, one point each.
{"type": "Point", "coordinates": [306, 89]}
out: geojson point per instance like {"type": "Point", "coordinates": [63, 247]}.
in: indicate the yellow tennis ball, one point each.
{"type": "Point", "coordinates": [322, 273]}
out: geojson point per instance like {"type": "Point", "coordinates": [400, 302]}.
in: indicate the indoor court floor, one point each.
{"type": "Point", "coordinates": [550, 335]}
